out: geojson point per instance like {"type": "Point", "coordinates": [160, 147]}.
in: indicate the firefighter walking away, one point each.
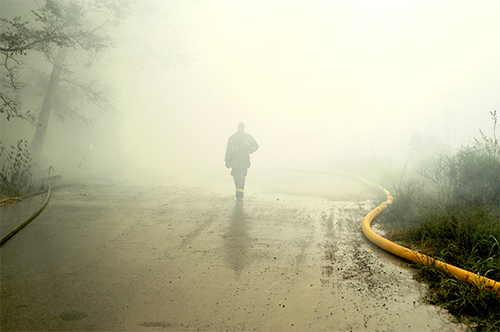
{"type": "Point", "coordinates": [239, 147]}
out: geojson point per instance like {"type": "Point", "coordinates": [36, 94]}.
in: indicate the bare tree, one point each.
{"type": "Point", "coordinates": [59, 27]}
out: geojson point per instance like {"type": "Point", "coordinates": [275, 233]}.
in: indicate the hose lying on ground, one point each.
{"type": "Point", "coordinates": [416, 257]}
{"type": "Point", "coordinates": [19, 198]}
{"type": "Point", "coordinates": [6, 237]}
{"type": "Point", "coordinates": [403, 252]}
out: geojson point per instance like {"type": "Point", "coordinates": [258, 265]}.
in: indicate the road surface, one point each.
{"type": "Point", "coordinates": [159, 255]}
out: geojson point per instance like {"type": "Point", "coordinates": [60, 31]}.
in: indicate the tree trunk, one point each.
{"type": "Point", "coordinates": [43, 119]}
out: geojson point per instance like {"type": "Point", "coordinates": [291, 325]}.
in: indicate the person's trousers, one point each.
{"type": "Point", "coordinates": [239, 175]}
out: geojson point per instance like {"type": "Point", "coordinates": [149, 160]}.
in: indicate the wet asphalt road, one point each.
{"type": "Point", "coordinates": [157, 256]}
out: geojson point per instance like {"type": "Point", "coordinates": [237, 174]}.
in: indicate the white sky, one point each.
{"type": "Point", "coordinates": [312, 80]}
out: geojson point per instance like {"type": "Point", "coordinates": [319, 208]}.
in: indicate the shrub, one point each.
{"type": "Point", "coordinates": [455, 220]}
{"type": "Point", "coordinates": [16, 176]}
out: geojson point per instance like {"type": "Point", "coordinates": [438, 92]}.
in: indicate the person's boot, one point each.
{"type": "Point", "coordinates": [239, 194]}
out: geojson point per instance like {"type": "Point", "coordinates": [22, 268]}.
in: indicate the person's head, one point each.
{"type": "Point", "coordinates": [241, 126]}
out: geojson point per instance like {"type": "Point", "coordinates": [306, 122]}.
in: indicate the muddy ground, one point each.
{"type": "Point", "coordinates": [166, 254]}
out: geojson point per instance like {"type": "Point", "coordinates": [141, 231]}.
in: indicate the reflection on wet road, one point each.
{"type": "Point", "coordinates": [236, 240]}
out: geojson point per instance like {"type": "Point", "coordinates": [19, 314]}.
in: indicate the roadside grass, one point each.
{"type": "Point", "coordinates": [450, 210]}
{"type": "Point", "coordinates": [20, 175]}
{"type": "Point", "coordinates": [16, 171]}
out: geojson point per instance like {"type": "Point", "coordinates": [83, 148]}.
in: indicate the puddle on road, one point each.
{"type": "Point", "coordinates": [74, 315]}
{"type": "Point", "coordinates": [155, 324]}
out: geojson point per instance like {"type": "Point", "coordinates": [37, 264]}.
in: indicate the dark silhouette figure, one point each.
{"type": "Point", "coordinates": [239, 147]}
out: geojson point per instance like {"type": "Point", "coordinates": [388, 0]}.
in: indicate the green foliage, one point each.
{"type": "Point", "coordinates": [16, 176]}
{"type": "Point", "coordinates": [452, 213]}
{"type": "Point", "coordinates": [408, 195]}
{"type": "Point", "coordinates": [474, 305]}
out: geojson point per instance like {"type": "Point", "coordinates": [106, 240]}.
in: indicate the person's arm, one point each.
{"type": "Point", "coordinates": [228, 158]}
{"type": "Point", "coordinates": [253, 145]}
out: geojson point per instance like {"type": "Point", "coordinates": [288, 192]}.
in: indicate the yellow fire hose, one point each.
{"type": "Point", "coordinates": [16, 229]}
{"type": "Point", "coordinates": [408, 254]}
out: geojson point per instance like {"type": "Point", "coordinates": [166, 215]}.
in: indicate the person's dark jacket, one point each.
{"type": "Point", "coordinates": [239, 147]}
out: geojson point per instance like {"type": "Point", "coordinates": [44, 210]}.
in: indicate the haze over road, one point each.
{"type": "Point", "coordinates": [122, 256]}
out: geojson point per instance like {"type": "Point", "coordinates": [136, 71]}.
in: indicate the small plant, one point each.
{"type": "Point", "coordinates": [469, 304]}
{"type": "Point", "coordinates": [50, 176]}
{"type": "Point", "coordinates": [16, 175]}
